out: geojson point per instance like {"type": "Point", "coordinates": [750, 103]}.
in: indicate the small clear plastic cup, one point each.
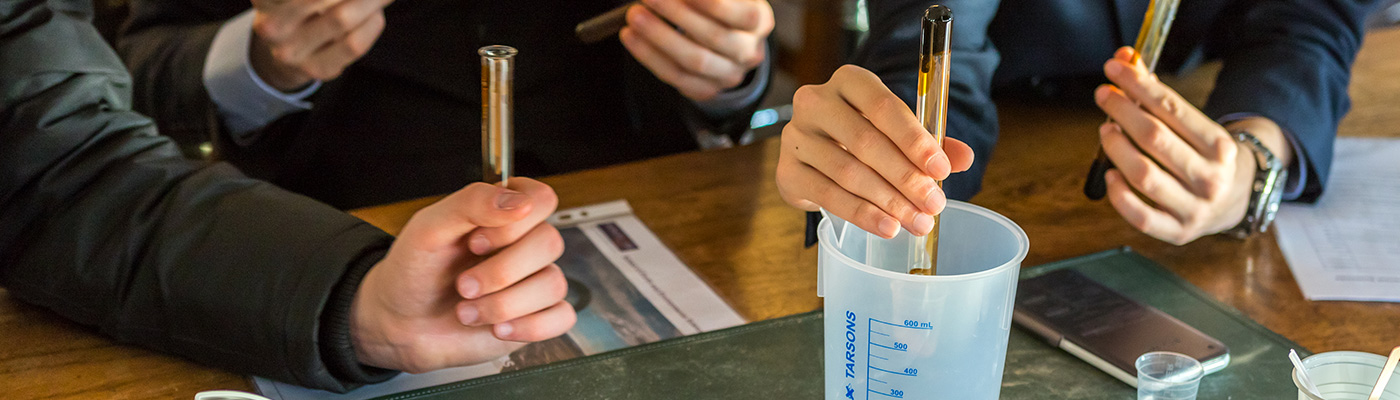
{"type": "Point", "coordinates": [1164, 375]}
{"type": "Point", "coordinates": [1346, 375]}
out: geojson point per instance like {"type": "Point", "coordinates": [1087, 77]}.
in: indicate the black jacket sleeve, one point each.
{"type": "Point", "coordinates": [164, 44]}
{"type": "Point", "coordinates": [106, 224]}
{"type": "Point", "coordinates": [1291, 62]}
{"type": "Point", "coordinates": [892, 52]}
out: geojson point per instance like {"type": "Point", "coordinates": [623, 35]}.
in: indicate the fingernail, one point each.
{"type": "Point", "coordinates": [934, 200]}
{"type": "Point", "coordinates": [467, 315]}
{"type": "Point", "coordinates": [510, 199]}
{"type": "Point", "coordinates": [1113, 67]}
{"type": "Point", "coordinates": [934, 163]}
{"type": "Point", "coordinates": [469, 287]}
{"type": "Point", "coordinates": [503, 329]}
{"type": "Point", "coordinates": [888, 227]}
{"type": "Point", "coordinates": [1101, 93]}
{"type": "Point", "coordinates": [923, 223]}
{"type": "Point", "coordinates": [479, 244]}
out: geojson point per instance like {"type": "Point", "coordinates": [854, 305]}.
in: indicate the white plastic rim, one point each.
{"type": "Point", "coordinates": [1023, 247]}
{"type": "Point", "coordinates": [1335, 357]}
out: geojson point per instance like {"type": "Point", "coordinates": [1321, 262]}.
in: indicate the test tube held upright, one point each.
{"type": "Point", "coordinates": [1151, 37]}
{"type": "Point", "coordinates": [497, 81]}
{"type": "Point", "coordinates": [932, 105]}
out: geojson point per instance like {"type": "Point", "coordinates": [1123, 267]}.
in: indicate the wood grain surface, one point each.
{"type": "Point", "coordinates": [720, 212]}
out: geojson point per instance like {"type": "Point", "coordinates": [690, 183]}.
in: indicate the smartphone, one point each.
{"type": "Point", "coordinates": [1105, 328]}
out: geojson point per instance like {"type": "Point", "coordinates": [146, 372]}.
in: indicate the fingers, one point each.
{"type": "Point", "coordinates": [295, 42]}
{"type": "Point", "coordinates": [690, 85]}
{"type": "Point", "coordinates": [741, 45]}
{"type": "Point", "coordinates": [866, 149]}
{"type": "Point", "coordinates": [328, 62]}
{"type": "Point", "coordinates": [329, 27]}
{"type": "Point", "coordinates": [1160, 141]}
{"type": "Point", "coordinates": [485, 240]}
{"type": "Point", "coordinates": [682, 52]}
{"type": "Point", "coordinates": [537, 292]}
{"type": "Point", "coordinates": [284, 16]}
{"type": "Point", "coordinates": [867, 94]}
{"type": "Point", "coordinates": [547, 324]}
{"type": "Point", "coordinates": [1166, 104]}
{"type": "Point", "coordinates": [535, 251]}
{"type": "Point", "coordinates": [859, 179]}
{"type": "Point", "coordinates": [1149, 220]}
{"type": "Point", "coordinates": [809, 185]}
{"type": "Point", "coordinates": [477, 205]}
{"type": "Point", "coordinates": [703, 53]}
{"type": "Point", "coordinates": [960, 155]}
{"type": "Point", "coordinates": [1145, 175]}
{"type": "Point", "coordinates": [748, 15]}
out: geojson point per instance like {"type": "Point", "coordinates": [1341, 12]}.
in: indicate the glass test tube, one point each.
{"type": "Point", "coordinates": [497, 79]}
{"type": "Point", "coordinates": [1151, 38]}
{"type": "Point", "coordinates": [932, 106]}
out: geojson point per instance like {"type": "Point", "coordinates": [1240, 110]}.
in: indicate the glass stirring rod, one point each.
{"type": "Point", "coordinates": [932, 105]}
{"type": "Point", "coordinates": [497, 79]}
{"type": "Point", "coordinates": [1148, 49]}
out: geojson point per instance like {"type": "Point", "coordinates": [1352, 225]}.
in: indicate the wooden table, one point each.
{"type": "Point", "coordinates": [721, 213]}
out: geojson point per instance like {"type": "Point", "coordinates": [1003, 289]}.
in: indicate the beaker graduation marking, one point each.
{"type": "Point", "coordinates": [933, 101]}
{"type": "Point", "coordinates": [497, 79]}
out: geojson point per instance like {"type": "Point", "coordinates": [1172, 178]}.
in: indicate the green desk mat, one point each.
{"type": "Point", "coordinates": [782, 358]}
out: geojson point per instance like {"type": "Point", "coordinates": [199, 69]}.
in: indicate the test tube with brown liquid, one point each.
{"type": "Point", "coordinates": [1153, 35]}
{"type": "Point", "coordinates": [932, 105]}
{"type": "Point", "coordinates": [497, 79]}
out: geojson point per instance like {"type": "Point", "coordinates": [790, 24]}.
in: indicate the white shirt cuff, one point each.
{"type": "Point", "coordinates": [245, 102]}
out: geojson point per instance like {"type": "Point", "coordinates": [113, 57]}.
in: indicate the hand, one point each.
{"type": "Point", "coordinates": [1178, 174]}
{"type": "Point", "coordinates": [297, 41]}
{"type": "Point", "coordinates": [471, 278]}
{"type": "Point", "coordinates": [856, 149]}
{"type": "Point", "coordinates": [712, 46]}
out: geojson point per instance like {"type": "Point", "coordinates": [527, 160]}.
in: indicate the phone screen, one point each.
{"type": "Point", "coordinates": [1066, 305]}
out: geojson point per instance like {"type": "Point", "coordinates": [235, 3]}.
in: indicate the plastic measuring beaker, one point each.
{"type": "Point", "coordinates": [890, 334]}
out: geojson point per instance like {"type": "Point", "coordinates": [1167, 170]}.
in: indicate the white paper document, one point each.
{"type": "Point", "coordinates": [1347, 245]}
{"type": "Point", "coordinates": [628, 289]}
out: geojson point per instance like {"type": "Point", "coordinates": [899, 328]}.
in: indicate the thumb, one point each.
{"type": "Point", "coordinates": [478, 205]}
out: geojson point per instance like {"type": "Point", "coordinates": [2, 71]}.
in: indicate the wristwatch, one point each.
{"type": "Point", "coordinates": [1267, 189]}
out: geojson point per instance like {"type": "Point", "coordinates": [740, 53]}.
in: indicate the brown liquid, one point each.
{"type": "Point", "coordinates": [933, 111]}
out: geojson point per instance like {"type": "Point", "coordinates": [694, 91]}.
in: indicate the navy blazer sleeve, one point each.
{"type": "Point", "coordinates": [1290, 62]}
{"type": "Point", "coordinates": [891, 51]}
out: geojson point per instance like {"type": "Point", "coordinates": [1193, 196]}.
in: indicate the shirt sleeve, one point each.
{"type": "Point", "coordinates": [1297, 171]}
{"type": "Point", "coordinates": [245, 102]}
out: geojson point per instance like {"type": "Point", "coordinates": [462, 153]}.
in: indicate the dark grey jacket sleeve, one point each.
{"type": "Point", "coordinates": [892, 52]}
{"type": "Point", "coordinates": [165, 43]}
{"type": "Point", "coordinates": [1291, 62]}
{"type": "Point", "coordinates": [106, 224]}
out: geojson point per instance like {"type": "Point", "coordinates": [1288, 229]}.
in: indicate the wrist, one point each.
{"type": "Point", "coordinates": [281, 77]}
{"type": "Point", "coordinates": [344, 323]}
{"type": "Point", "coordinates": [1268, 133]}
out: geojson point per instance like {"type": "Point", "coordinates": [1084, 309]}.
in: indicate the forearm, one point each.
{"type": "Point", "coordinates": [1291, 64]}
